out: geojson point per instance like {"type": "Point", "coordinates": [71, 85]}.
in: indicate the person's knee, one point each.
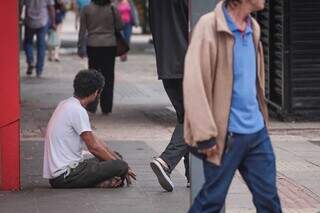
{"type": "Point", "coordinates": [122, 167]}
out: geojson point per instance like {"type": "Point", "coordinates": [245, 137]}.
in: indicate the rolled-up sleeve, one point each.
{"type": "Point", "coordinates": [80, 121]}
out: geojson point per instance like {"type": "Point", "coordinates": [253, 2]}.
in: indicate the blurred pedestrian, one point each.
{"type": "Point", "coordinates": [130, 18]}
{"type": "Point", "coordinates": [61, 7]}
{"type": "Point", "coordinates": [169, 27]}
{"type": "Point", "coordinates": [226, 113]}
{"type": "Point", "coordinates": [99, 20]}
{"type": "Point", "coordinates": [79, 5]}
{"type": "Point", "coordinates": [36, 21]}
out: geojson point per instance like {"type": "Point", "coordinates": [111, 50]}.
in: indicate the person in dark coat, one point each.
{"type": "Point", "coordinates": [169, 27]}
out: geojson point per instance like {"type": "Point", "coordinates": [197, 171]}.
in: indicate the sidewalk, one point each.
{"type": "Point", "coordinates": [140, 127]}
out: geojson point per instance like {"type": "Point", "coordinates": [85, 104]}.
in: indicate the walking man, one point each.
{"type": "Point", "coordinates": [169, 27]}
{"type": "Point", "coordinates": [36, 20]}
{"type": "Point", "coordinates": [68, 130]}
{"type": "Point", "coordinates": [226, 114]}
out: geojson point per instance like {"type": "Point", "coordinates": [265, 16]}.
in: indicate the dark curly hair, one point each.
{"type": "Point", "coordinates": [232, 2]}
{"type": "Point", "coordinates": [87, 82]}
{"type": "Point", "coordinates": [101, 2]}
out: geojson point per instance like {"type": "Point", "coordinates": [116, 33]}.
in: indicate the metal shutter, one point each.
{"type": "Point", "coordinates": [304, 58]}
{"type": "Point", "coordinates": [291, 38]}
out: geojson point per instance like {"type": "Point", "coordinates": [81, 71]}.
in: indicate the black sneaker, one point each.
{"type": "Point", "coordinates": [30, 69]}
{"type": "Point", "coordinates": [163, 175]}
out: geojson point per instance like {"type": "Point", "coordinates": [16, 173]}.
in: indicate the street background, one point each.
{"type": "Point", "coordinates": [140, 127]}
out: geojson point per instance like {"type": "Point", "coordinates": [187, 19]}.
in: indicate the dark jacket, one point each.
{"type": "Point", "coordinates": [169, 27]}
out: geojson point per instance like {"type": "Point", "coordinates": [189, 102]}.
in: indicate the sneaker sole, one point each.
{"type": "Point", "coordinates": [163, 178]}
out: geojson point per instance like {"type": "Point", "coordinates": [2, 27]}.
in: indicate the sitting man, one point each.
{"type": "Point", "coordinates": [68, 130]}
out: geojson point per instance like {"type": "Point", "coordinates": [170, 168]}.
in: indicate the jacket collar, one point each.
{"type": "Point", "coordinates": [222, 25]}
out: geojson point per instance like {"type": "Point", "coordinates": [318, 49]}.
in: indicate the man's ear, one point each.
{"type": "Point", "coordinates": [94, 95]}
{"type": "Point", "coordinates": [96, 92]}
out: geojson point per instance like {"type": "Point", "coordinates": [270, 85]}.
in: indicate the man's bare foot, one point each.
{"type": "Point", "coordinates": [115, 182]}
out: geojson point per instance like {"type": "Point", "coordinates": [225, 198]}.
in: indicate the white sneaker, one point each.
{"type": "Point", "coordinates": [163, 175]}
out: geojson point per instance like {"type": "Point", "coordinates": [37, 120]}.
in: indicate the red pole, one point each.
{"type": "Point", "coordinates": [9, 97]}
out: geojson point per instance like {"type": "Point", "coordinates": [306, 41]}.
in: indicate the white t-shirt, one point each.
{"type": "Point", "coordinates": [63, 144]}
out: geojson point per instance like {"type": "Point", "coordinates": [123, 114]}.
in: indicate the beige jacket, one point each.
{"type": "Point", "coordinates": [208, 80]}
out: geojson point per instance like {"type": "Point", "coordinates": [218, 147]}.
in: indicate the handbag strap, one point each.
{"type": "Point", "coordinates": [114, 18]}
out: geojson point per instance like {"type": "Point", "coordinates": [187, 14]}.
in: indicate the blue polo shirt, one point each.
{"type": "Point", "coordinates": [245, 115]}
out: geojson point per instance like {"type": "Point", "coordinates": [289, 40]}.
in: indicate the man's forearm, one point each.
{"type": "Point", "coordinates": [95, 147]}
{"type": "Point", "coordinates": [107, 148]}
{"type": "Point", "coordinates": [102, 153]}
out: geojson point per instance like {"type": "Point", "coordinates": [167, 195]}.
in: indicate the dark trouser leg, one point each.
{"type": "Point", "coordinates": [94, 58]}
{"type": "Point", "coordinates": [103, 60]}
{"type": "Point", "coordinates": [258, 169]}
{"type": "Point", "coordinates": [28, 44]}
{"type": "Point", "coordinates": [94, 62]}
{"type": "Point", "coordinates": [186, 165]}
{"type": "Point", "coordinates": [41, 49]}
{"type": "Point", "coordinates": [177, 148]}
{"type": "Point", "coordinates": [90, 173]}
{"type": "Point", "coordinates": [126, 32]}
{"type": "Point", "coordinates": [252, 154]}
{"type": "Point", "coordinates": [218, 179]}
{"type": "Point", "coordinates": [106, 99]}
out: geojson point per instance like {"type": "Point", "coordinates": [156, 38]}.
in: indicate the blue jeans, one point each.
{"type": "Point", "coordinates": [41, 46]}
{"type": "Point", "coordinates": [126, 32]}
{"type": "Point", "coordinates": [253, 156]}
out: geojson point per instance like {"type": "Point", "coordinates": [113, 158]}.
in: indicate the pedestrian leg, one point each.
{"type": "Point", "coordinates": [93, 58]}
{"type": "Point", "coordinates": [259, 172]}
{"type": "Point", "coordinates": [41, 49]}
{"type": "Point", "coordinates": [126, 32]}
{"type": "Point", "coordinates": [108, 66]}
{"type": "Point", "coordinates": [187, 168]}
{"type": "Point", "coordinates": [211, 197]}
{"type": "Point", "coordinates": [57, 48]}
{"type": "Point", "coordinates": [28, 48]}
{"type": "Point", "coordinates": [177, 148]}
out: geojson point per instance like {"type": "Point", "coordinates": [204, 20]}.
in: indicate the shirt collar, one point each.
{"type": "Point", "coordinates": [233, 27]}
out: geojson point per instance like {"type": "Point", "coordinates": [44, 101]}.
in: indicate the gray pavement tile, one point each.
{"type": "Point", "coordinates": [239, 201]}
